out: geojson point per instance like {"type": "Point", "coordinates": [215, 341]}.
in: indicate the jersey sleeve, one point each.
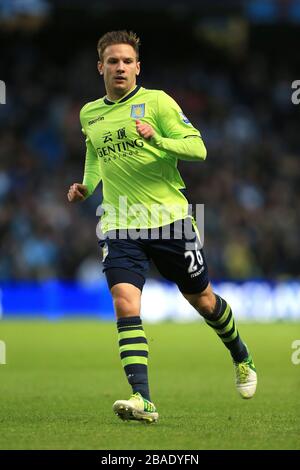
{"type": "Point", "coordinates": [175, 132]}
{"type": "Point", "coordinates": [92, 173]}
{"type": "Point", "coordinates": [171, 120]}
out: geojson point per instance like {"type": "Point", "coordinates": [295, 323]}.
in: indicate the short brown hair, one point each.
{"type": "Point", "coordinates": [118, 37]}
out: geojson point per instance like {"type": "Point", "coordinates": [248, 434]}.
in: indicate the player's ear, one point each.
{"type": "Point", "coordinates": [100, 67]}
{"type": "Point", "coordinates": [138, 68]}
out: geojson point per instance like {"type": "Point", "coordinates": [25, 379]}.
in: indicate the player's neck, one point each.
{"type": "Point", "coordinates": [113, 96]}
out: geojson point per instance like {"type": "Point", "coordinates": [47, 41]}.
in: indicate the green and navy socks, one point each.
{"type": "Point", "coordinates": [133, 344]}
{"type": "Point", "coordinates": [223, 323]}
{"type": "Point", "coordinates": [133, 348]}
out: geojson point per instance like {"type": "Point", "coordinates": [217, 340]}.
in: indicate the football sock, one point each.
{"type": "Point", "coordinates": [223, 323]}
{"type": "Point", "coordinates": [134, 353]}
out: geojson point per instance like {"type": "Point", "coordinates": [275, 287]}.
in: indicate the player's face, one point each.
{"type": "Point", "coordinates": [119, 69]}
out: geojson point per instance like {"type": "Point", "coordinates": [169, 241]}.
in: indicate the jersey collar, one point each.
{"type": "Point", "coordinates": [127, 97]}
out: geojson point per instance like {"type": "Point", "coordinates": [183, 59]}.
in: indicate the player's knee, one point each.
{"type": "Point", "coordinates": [126, 300]}
{"type": "Point", "coordinates": [125, 307]}
{"type": "Point", "coordinates": [204, 303]}
{"type": "Point", "coordinates": [206, 306]}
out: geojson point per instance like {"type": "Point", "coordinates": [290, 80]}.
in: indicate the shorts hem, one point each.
{"type": "Point", "coordinates": [118, 275]}
{"type": "Point", "coordinates": [193, 290]}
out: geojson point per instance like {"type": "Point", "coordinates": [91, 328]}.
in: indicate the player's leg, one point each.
{"type": "Point", "coordinates": [133, 344]}
{"type": "Point", "coordinates": [182, 261]}
{"type": "Point", "coordinates": [218, 315]}
{"type": "Point", "coordinates": [124, 266]}
{"type": "Point", "coordinates": [133, 348]}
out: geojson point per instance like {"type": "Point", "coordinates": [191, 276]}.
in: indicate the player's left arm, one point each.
{"type": "Point", "coordinates": [186, 148]}
{"type": "Point", "coordinates": [178, 136]}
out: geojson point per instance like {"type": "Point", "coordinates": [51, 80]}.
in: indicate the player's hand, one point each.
{"type": "Point", "coordinates": [77, 192]}
{"type": "Point", "coordinates": [145, 130]}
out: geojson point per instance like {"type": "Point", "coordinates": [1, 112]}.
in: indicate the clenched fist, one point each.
{"type": "Point", "coordinates": [145, 130]}
{"type": "Point", "coordinates": [77, 192]}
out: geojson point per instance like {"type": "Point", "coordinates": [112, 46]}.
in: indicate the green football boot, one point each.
{"type": "Point", "coordinates": [136, 408]}
{"type": "Point", "coordinates": [245, 377]}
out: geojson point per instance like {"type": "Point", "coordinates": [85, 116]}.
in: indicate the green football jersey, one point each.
{"type": "Point", "coordinates": [141, 183]}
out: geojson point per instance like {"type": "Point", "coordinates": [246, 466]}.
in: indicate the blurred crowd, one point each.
{"type": "Point", "coordinates": [249, 183]}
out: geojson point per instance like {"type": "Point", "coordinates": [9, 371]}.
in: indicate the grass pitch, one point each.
{"type": "Point", "coordinates": [61, 379]}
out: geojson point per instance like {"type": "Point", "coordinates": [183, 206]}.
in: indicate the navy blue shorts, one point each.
{"type": "Point", "coordinates": [179, 258]}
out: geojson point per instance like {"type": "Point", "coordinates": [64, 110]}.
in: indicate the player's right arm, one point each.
{"type": "Point", "coordinates": [77, 192]}
{"type": "Point", "coordinates": [92, 174]}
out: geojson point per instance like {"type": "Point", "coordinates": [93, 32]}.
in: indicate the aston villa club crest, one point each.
{"type": "Point", "coordinates": [137, 111]}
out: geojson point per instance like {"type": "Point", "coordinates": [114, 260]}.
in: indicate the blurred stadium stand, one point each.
{"type": "Point", "coordinates": [230, 67]}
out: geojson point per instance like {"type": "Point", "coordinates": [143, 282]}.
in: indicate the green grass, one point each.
{"type": "Point", "coordinates": [61, 379]}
